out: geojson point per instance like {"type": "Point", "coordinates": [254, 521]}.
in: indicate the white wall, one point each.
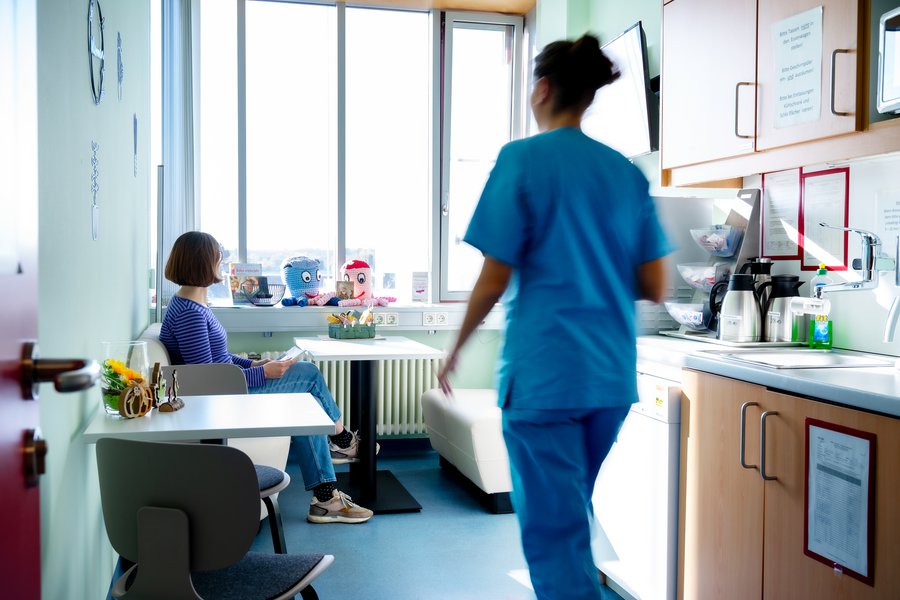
{"type": "Point", "coordinates": [89, 290]}
{"type": "Point", "coordinates": [859, 316]}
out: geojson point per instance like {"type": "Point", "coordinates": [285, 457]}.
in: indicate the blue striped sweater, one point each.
{"type": "Point", "coordinates": [193, 336]}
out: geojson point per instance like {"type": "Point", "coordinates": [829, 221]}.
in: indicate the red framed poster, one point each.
{"type": "Point", "coordinates": [779, 217]}
{"type": "Point", "coordinates": [824, 198]}
{"type": "Point", "coordinates": [839, 525]}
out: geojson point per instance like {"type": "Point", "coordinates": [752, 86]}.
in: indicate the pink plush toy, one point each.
{"type": "Point", "coordinates": [360, 273]}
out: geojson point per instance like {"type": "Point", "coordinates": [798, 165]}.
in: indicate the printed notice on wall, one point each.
{"type": "Point", "coordinates": [887, 204]}
{"type": "Point", "coordinates": [838, 489]}
{"type": "Point", "coordinates": [781, 214]}
{"type": "Point", "coordinates": [798, 68]}
{"type": "Point", "coordinates": [825, 196]}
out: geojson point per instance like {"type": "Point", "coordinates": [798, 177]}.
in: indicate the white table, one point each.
{"type": "Point", "coordinates": [377, 490]}
{"type": "Point", "coordinates": [219, 417]}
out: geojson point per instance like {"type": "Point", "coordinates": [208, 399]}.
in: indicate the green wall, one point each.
{"type": "Point", "coordinates": [97, 290]}
{"type": "Point", "coordinates": [89, 290]}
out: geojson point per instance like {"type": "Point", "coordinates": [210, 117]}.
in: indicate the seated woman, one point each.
{"type": "Point", "coordinates": [193, 335]}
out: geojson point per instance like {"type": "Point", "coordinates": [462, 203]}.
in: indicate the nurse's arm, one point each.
{"type": "Point", "coordinates": [652, 280]}
{"type": "Point", "coordinates": [491, 284]}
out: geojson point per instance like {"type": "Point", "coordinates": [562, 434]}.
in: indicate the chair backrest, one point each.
{"type": "Point", "coordinates": [207, 380]}
{"type": "Point", "coordinates": [156, 350]}
{"type": "Point", "coordinates": [215, 486]}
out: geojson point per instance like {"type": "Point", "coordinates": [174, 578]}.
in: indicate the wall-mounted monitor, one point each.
{"type": "Point", "coordinates": [625, 113]}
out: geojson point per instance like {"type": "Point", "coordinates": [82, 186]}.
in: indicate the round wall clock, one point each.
{"type": "Point", "coordinates": [96, 46]}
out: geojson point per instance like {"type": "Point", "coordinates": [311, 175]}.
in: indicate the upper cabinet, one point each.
{"type": "Point", "coordinates": [808, 82]}
{"type": "Point", "coordinates": [753, 86]}
{"type": "Point", "coordinates": [708, 77]}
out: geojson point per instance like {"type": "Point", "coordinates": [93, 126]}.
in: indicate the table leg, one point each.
{"type": "Point", "coordinates": [379, 491]}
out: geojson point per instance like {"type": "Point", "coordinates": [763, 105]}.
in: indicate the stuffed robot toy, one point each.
{"type": "Point", "coordinates": [302, 276]}
{"type": "Point", "coordinates": [360, 273]}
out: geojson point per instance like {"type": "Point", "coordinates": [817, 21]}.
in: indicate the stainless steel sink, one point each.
{"type": "Point", "coordinates": [800, 358]}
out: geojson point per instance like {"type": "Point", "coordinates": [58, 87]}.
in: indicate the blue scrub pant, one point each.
{"type": "Point", "coordinates": [313, 454]}
{"type": "Point", "coordinates": [555, 456]}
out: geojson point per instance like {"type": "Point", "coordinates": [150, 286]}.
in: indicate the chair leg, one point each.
{"type": "Point", "coordinates": [275, 524]}
{"type": "Point", "coordinates": [308, 593]}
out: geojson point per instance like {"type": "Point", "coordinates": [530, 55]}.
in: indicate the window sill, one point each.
{"type": "Point", "coordinates": [408, 317]}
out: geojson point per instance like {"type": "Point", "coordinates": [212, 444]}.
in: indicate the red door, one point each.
{"type": "Point", "coordinates": [20, 560]}
{"type": "Point", "coordinates": [22, 450]}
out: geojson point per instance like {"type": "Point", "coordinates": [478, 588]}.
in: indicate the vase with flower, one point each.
{"type": "Point", "coordinates": [125, 365]}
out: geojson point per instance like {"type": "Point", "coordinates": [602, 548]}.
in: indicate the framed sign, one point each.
{"type": "Point", "coordinates": [839, 526]}
{"type": "Point", "coordinates": [824, 198]}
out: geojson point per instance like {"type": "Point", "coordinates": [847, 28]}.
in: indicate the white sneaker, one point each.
{"type": "Point", "coordinates": [350, 454]}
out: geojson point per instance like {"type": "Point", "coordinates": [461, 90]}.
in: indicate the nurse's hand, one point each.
{"type": "Point", "coordinates": [274, 369]}
{"type": "Point", "coordinates": [444, 375]}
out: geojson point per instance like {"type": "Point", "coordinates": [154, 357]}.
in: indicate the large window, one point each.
{"type": "Point", "coordinates": [327, 130]}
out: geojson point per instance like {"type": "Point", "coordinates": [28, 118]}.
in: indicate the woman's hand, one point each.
{"type": "Point", "coordinates": [259, 363]}
{"type": "Point", "coordinates": [444, 375]}
{"type": "Point", "coordinates": [274, 369]}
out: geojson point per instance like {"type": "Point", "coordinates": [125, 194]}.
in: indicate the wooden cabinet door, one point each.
{"type": "Point", "coordinates": [840, 61]}
{"type": "Point", "coordinates": [709, 47]}
{"type": "Point", "coordinates": [789, 573]}
{"type": "Point", "coordinates": [720, 521]}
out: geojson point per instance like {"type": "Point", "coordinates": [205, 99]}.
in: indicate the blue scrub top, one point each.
{"type": "Point", "coordinates": [574, 219]}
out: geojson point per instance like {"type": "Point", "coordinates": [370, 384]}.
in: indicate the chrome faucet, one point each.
{"type": "Point", "coordinates": [871, 262]}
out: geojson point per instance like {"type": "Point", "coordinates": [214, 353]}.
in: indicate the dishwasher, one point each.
{"type": "Point", "coordinates": [635, 526]}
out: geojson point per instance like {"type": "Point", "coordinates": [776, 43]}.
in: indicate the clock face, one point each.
{"type": "Point", "coordinates": [96, 55]}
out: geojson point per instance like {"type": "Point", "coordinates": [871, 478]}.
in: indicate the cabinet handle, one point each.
{"type": "Point", "coordinates": [762, 445]}
{"type": "Point", "coordinates": [737, 90]}
{"type": "Point", "coordinates": [833, 65]}
{"type": "Point", "coordinates": [743, 431]}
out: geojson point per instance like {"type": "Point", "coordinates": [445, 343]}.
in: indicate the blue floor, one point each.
{"type": "Point", "coordinates": [452, 550]}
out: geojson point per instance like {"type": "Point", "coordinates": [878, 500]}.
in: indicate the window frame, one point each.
{"type": "Point", "coordinates": [517, 127]}
{"type": "Point", "coordinates": [441, 23]}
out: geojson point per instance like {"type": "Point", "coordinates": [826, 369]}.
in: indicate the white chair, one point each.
{"type": "Point", "coordinates": [185, 515]}
{"type": "Point", "coordinates": [269, 454]}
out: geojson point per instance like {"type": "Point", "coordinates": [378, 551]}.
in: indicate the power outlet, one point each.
{"type": "Point", "coordinates": [379, 318]}
{"type": "Point", "coordinates": [391, 319]}
{"type": "Point", "coordinates": [435, 318]}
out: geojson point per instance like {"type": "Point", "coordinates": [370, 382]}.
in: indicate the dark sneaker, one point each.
{"type": "Point", "coordinates": [350, 454]}
{"type": "Point", "coordinates": [340, 509]}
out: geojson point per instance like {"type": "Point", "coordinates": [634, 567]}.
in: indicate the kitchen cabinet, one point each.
{"type": "Point", "coordinates": [841, 101]}
{"type": "Point", "coordinates": [708, 71]}
{"type": "Point", "coordinates": [741, 536]}
{"type": "Point", "coordinates": [718, 91]}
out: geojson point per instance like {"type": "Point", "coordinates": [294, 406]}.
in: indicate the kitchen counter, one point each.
{"type": "Point", "coordinates": [875, 389]}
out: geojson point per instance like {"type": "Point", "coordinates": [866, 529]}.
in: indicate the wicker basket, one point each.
{"type": "Point", "coordinates": [356, 332]}
{"type": "Point", "coordinates": [276, 293]}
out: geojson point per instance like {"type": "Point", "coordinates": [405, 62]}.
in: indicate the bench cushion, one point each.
{"type": "Point", "coordinates": [466, 432]}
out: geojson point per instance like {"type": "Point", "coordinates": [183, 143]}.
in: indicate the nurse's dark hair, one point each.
{"type": "Point", "coordinates": [576, 70]}
{"type": "Point", "coordinates": [194, 260]}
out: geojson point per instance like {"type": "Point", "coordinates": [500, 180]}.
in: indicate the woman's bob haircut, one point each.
{"type": "Point", "coordinates": [194, 260]}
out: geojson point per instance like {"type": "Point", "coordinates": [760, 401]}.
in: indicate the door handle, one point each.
{"type": "Point", "coordinates": [762, 445]}
{"type": "Point", "coordinates": [737, 90]}
{"type": "Point", "coordinates": [833, 67]}
{"type": "Point", "coordinates": [67, 375]}
{"type": "Point", "coordinates": [744, 407]}
{"type": "Point", "coordinates": [34, 451]}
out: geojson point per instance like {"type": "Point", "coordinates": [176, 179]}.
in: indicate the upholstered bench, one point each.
{"type": "Point", "coordinates": [465, 432]}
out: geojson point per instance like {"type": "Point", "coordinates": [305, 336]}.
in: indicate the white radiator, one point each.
{"type": "Point", "coordinates": [398, 397]}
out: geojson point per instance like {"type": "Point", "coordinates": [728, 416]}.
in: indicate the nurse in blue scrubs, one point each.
{"type": "Point", "coordinates": [570, 240]}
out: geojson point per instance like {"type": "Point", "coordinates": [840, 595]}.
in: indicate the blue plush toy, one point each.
{"type": "Point", "coordinates": [302, 276]}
